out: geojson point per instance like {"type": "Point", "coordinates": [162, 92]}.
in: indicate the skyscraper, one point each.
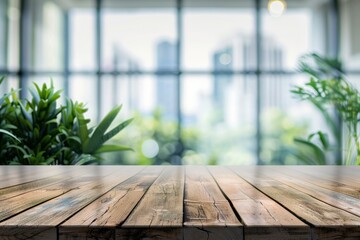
{"type": "Point", "coordinates": [222, 61]}
{"type": "Point", "coordinates": [234, 95]}
{"type": "Point", "coordinates": [166, 87]}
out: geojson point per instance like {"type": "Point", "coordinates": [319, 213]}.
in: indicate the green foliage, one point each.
{"type": "Point", "coordinates": [328, 89]}
{"type": "Point", "coordinates": [311, 152]}
{"type": "Point", "coordinates": [279, 131]}
{"type": "Point", "coordinates": [39, 131]}
{"type": "Point", "coordinates": [321, 67]}
{"type": "Point", "coordinates": [157, 130]}
{"type": "Point", "coordinates": [94, 143]}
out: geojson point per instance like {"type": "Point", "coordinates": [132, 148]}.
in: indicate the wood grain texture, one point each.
{"type": "Point", "coordinates": [71, 181]}
{"type": "Point", "coordinates": [213, 233]}
{"type": "Point", "coordinates": [332, 170]}
{"type": "Point", "coordinates": [319, 214]}
{"type": "Point", "coordinates": [162, 205]}
{"type": "Point", "coordinates": [29, 232]}
{"type": "Point", "coordinates": [90, 233]}
{"type": "Point", "coordinates": [186, 233]}
{"type": "Point", "coordinates": [13, 191]}
{"type": "Point", "coordinates": [22, 202]}
{"type": "Point", "coordinates": [339, 179]}
{"type": "Point", "coordinates": [99, 219]}
{"type": "Point", "coordinates": [205, 205]}
{"type": "Point", "coordinates": [157, 233]}
{"type": "Point", "coordinates": [12, 176]}
{"type": "Point", "coordinates": [276, 232]}
{"type": "Point", "coordinates": [178, 202]}
{"type": "Point", "coordinates": [331, 196]}
{"type": "Point", "coordinates": [340, 233]}
{"type": "Point", "coordinates": [263, 218]}
{"type": "Point", "coordinates": [83, 192]}
{"type": "Point", "coordinates": [308, 208]}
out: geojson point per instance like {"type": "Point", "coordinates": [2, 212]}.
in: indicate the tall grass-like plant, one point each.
{"type": "Point", "coordinates": [40, 131]}
{"type": "Point", "coordinates": [93, 141]}
{"type": "Point", "coordinates": [328, 89]}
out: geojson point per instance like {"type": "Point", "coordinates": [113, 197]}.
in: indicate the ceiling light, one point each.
{"type": "Point", "coordinates": [276, 7]}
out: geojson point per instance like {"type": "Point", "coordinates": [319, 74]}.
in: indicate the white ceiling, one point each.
{"type": "Point", "coordinates": [186, 3]}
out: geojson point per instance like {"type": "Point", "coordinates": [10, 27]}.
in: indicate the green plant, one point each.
{"type": "Point", "coordinates": [279, 130]}
{"type": "Point", "coordinates": [40, 131]}
{"type": "Point", "coordinates": [312, 150]}
{"type": "Point", "coordinates": [92, 141]}
{"type": "Point", "coordinates": [327, 90]}
{"type": "Point", "coordinates": [6, 137]}
{"type": "Point", "coordinates": [155, 141]}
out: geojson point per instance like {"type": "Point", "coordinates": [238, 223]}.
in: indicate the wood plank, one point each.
{"type": "Point", "coordinates": [91, 233]}
{"type": "Point", "coordinates": [330, 178]}
{"type": "Point", "coordinates": [213, 233]}
{"type": "Point", "coordinates": [13, 205]}
{"type": "Point", "coordinates": [59, 209]}
{"type": "Point", "coordinates": [19, 202]}
{"type": "Point", "coordinates": [99, 219]}
{"type": "Point", "coordinates": [166, 233]}
{"type": "Point", "coordinates": [20, 189]}
{"type": "Point", "coordinates": [193, 202]}
{"type": "Point", "coordinates": [320, 215]}
{"type": "Point", "coordinates": [208, 214]}
{"type": "Point", "coordinates": [262, 217]}
{"type": "Point", "coordinates": [17, 171]}
{"type": "Point", "coordinates": [12, 176]}
{"type": "Point", "coordinates": [312, 174]}
{"type": "Point", "coordinates": [340, 174]}
{"type": "Point", "coordinates": [340, 232]}
{"type": "Point", "coordinates": [329, 196]}
{"type": "Point", "coordinates": [339, 194]}
{"type": "Point", "coordinates": [81, 191]}
{"type": "Point", "coordinates": [29, 232]}
{"type": "Point", "coordinates": [205, 205]}
{"type": "Point", "coordinates": [162, 204]}
{"type": "Point", "coordinates": [344, 171]}
{"type": "Point", "coordinates": [175, 233]}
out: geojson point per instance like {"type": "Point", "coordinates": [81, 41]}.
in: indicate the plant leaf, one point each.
{"type": "Point", "coordinates": [26, 114]}
{"type": "Point", "coordinates": [9, 134]}
{"type": "Point", "coordinates": [324, 138]}
{"type": "Point", "coordinates": [35, 95]}
{"type": "Point", "coordinates": [19, 148]}
{"type": "Point", "coordinates": [96, 139]}
{"type": "Point", "coordinates": [113, 148]}
{"type": "Point", "coordinates": [83, 129]}
{"type": "Point", "coordinates": [2, 79]}
{"type": "Point", "coordinates": [319, 155]}
{"type": "Point", "coordinates": [116, 130]}
{"type": "Point", "coordinates": [85, 159]}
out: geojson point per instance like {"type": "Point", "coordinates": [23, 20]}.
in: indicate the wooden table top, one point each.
{"type": "Point", "coordinates": [179, 202]}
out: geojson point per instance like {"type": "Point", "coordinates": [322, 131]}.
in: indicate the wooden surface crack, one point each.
{"type": "Point", "coordinates": [181, 202]}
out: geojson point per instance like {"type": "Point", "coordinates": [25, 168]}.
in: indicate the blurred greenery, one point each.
{"type": "Point", "coordinates": [207, 143]}
{"type": "Point", "coordinates": [210, 142]}
{"type": "Point", "coordinates": [154, 141]}
{"type": "Point", "coordinates": [279, 130]}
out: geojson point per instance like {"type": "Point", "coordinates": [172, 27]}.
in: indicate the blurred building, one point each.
{"type": "Point", "coordinates": [119, 89]}
{"type": "Point", "coordinates": [166, 88]}
{"type": "Point", "coordinates": [234, 95]}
